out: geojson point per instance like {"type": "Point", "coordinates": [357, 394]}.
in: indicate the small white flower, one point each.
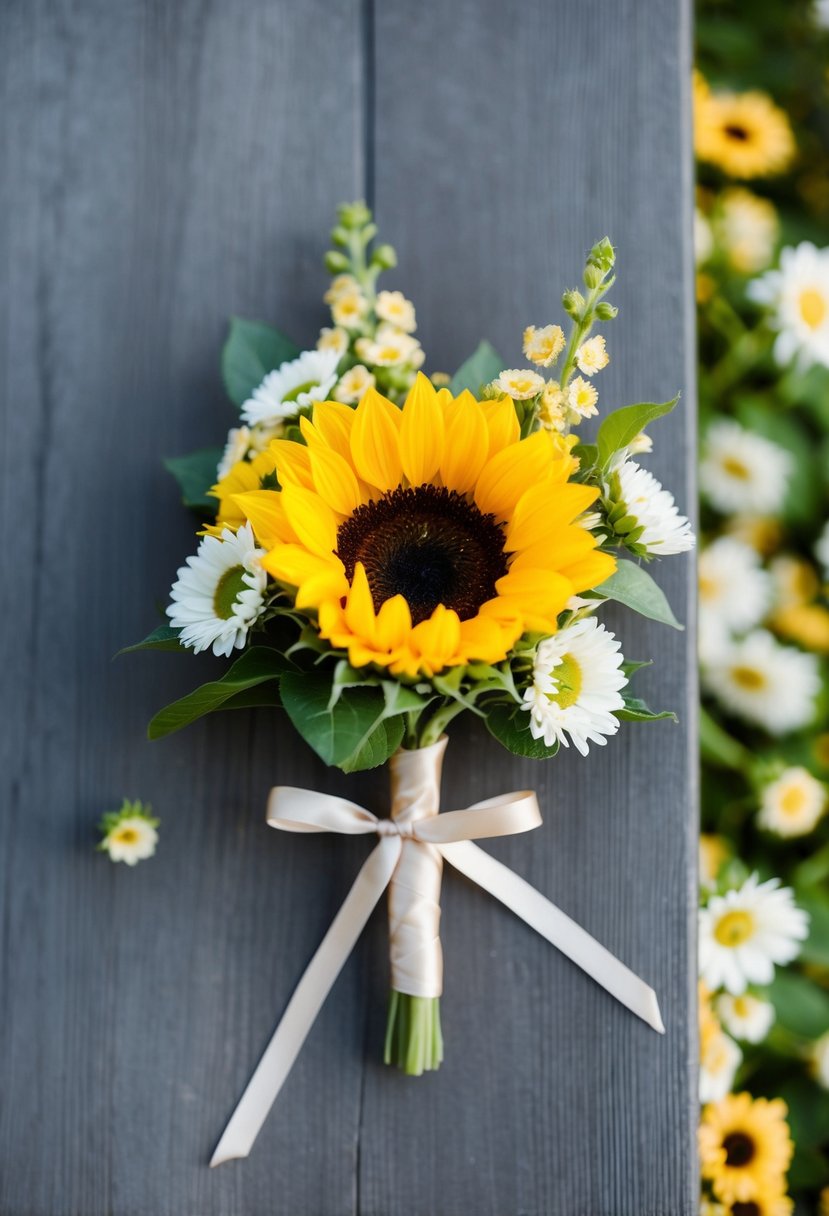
{"type": "Point", "coordinates": [342, 285]}
{"type": "Point", "coordinates": [743, 472]}
{"type": "Point", "coordinates": [543, 346]}
{"type": "Point", "coordinates": [130, 834]}
{"type": "Point", "coordinates": [640, 445]}
{"type": "Point", "coordinates": [767, 684]}
{"type": "Point", "coordinates": [663, 529]}
{"type": "Point", "coordinates": [717, 1067]}
{"type": "Point", "coordinates": [793, 804]}
{"type": "Point", "coordinates": [592, 356]}
{"type": "Point", "coordinates": [219, 593]}
{"type": "Point", "coordinates": [703, 238]}
{"type": "Point", "coordinates": [348, 309]}
{"type": "Point", "coordinates": [733, 586]}
{"type": "Point", "coordinates": [747, 226]}
{"type": "Point", "coordinates": [798, 295]}
{"type": "Point", "coordinates": [295, 384]}
{"type": "Point", "coordinates": [392, 306]}
{"type": "Point", "coordinates": [822, 550]}
{"type": "Point", "coordinates": [819, 1059]}
{"type": "Point", "coordinates": [576, 681]}
{"type": "Point", "coordinates": [552, 412]}
{"type": "Point", "coordinates": [581, 399]}
{"type": "Point", "coordinates": [746, 931]}
{"type": "Point", "coordinates": [746, 1017]}
{"type": "Point", "coordinates": [333, 339]}
{"type": "Point", "coordinates": [353, 384]}
{"type": "Point", "coordinates": [390, 348]}
{"type": "Point", "coordinates": [519, 383]}
{"type": "Point", "coordinates": [236, 449]}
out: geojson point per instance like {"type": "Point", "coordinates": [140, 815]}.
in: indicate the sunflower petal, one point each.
{"type": "Point", "coordinates": [334, 480]}
{"type": "Point", "coordinates": [502, 423]}
{"type": "Point", "coordinates": [311, 519]}
{"type": "Point", "coordinates": [467, 443]}
{"type": "Point", "coordinates": [486, 640]}
{"type": "Point", "coordinates": [557, 551]}
{"type": "Point", "coordinates": [375, 448]}
{"type": "Point", "coordinates": [359, 608]}
{"type": "Point", "coordinates": [507, 475]}
{"type": "Point", "coordinates": [266, 513]}
{"type": "Point", "coordinates": [590, 571]}
{"type": "Point", "coordinates": [438, 638]}
{"type": "Point", "coordinates": [546, 507]}
{"type": "Point", "coordinates": [421, 432]}
{"type": "Point", "coordinates": [333, 422]}
{"type": "Point", "coordinates": [293, 463]}
{"type": "Point", "coordinates": [394, 623]}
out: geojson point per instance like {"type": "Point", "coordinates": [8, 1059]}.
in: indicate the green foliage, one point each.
{"type": "Point", "coordinates": [510, 725]}
{"type": "Point", "coordinates": [479, 369]}
{"type": "Point", "coordinates": [637, 710]}
{"type": "Point", "coordinates": [195, 475]}
{"type": "Point", "coordinates": [258, 665]}
{"type": "Point", "coordinates": [801, 1005]}
{"type": "Point", "coordinates": [250, 352]}
{"type": "Point", "coordinates": [163, 637]}
{"type": "Point", "coordinates": [623, 425]}
{"type": "Point", "coordinates": [632, 586]}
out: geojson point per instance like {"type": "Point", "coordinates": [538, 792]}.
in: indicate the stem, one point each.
{"type": "Point", "coordinates": [581, 329]}
{"type": "Point", "coordinates": [414, 1041]}
{"type": "Point", "coordinates": [737, 360]}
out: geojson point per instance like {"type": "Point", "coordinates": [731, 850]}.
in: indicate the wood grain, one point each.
{"type": "Point", "coordinates": [165, 165]}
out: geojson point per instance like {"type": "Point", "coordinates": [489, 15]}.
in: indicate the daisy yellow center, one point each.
{"type": "Point", "coordinates": [741, 1007]}
{"type": "Point", "coordinates": [427, 544]}
{"type": "Point", "coordinates": [126, 836]}
{"type": "Point", "coordinates": [748, 678]}
{"type": "Point", "coordinates": [707, 588]}
{"type": "Point", "coordinates": [792, 801]}
{"type": "Point", "coordinates": [227, 590]}
{"type": "Point", "coordinates": [739, 1149]}
{"type": "Point", "coordinates": [735, 928]}
{"type": "Point", "coordinates": [735, 468]}
{"type": "Point", "coordinates": [812, 307]}
{"type": "Point", "coordinates": [569, 681]}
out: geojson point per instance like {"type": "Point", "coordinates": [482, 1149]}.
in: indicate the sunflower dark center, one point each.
{"type": "Point", "coordinates": [739, 1149]}
{"type": "Point", "coordinates": [745, 1209]}
{"type": "Point", "coordinates": [427, 544]}
{"type": "Point", "coordinates": [734, 131]}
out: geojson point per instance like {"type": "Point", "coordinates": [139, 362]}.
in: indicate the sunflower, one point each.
{"type": "Point", "coordinates": [744, 134]}
{"type": "Point", "coordinates": [744, 1147]}
{"type": "Point", "coordinates": [256, 474]}
{"type": "Point", "coordinates": [429, 536]}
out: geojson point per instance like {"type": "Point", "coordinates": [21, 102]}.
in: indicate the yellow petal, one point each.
{"type": "Point", "coordinates": [421, 432]}
{"type": "Point", "coordinates": [312, 520]}
{"type": "Point", "coordinates": [375, 448]}
{"type": "Point", "coordinates": [394, 623]}
{"type": "Point", "coordinates": [265, 510]}
{"type": "Point", "coordinates": [334, 480]}
{"type": "Point", "coordinates": [535, 589]}
{"type": "Point", "coordinates": [545, 507]}
{"type": "Point", "coordinates": [359, 609]}
{"type": "Point", "coordinates": [293, 463]}
{"type": "Point", "coordinates": [467, 443]}
{"type": "Point", "coordinates": [590, 571]}
{"type": "Point", "coordinates": [438, 638]}
{"type": "Point", "coordinates": [502, 423]}
{"type": "Point", "coordinates": [507, 475]}
{"type": "Point", "coordinates": [333, 423]}
{"type": "Point", "coordinates": [557, 551]}
{"type": "Point", "coordinates": [486, 640]}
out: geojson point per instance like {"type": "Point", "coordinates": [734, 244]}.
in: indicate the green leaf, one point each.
{"type": "Point", "coordinates": [258, 696]}
{"type": "Point", "coordinates": [634, 587]}
{"type": "Point", "coordinates": [622, 425]}
{"type": "Point", "coordinates": [250, 352]}
{"type": "Point", "coordinates": [510, 725]}
{"type": "Point", "coordinates": [164, 637]}
{"type": "Point", "coordinates": [345, 731]}
{"type": "Point", "coordinates": [195, 475]}
{"type": "Point", "coordinates": [587, 455]}
{"type": "Point", "coordinates": [801, 1006]}
{"type": "Point", "coordinates": [637, 711]}
{"type": "Point", "coordinates": [256, 666]}
{"type": "Point", "coordinates": [816, 947]}
{"type": "Point", "coordinates": [718, 747]}
{"type": "Point", "coordinates": [481, 367]}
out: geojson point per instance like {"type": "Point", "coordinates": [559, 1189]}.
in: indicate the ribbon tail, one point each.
{"type": "Point", "coordinates": [306, 1002]}
{"type": "Point", "coordinates": [553, 924]}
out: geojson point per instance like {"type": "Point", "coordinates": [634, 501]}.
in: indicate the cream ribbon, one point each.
{"type": "Point", "coordinates": [415, 829]}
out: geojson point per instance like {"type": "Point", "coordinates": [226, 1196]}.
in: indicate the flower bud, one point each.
{"type": "Point", "coordinates": [605, 311]}
{"type": "Point", "coordinates": [592, 276]}
{"type": "Point", "coordinates": [353, 215]}
{"type": "Point", "coordinates": [384, 256]}
{"type": "Point", "coordinates": [572, 302]}
{"type": "Point", "coordinates": [336, 262]}
{"type": "Point", "coordinates": [603, 255]}
{"type": "Point", "coordinates": [339, 235]}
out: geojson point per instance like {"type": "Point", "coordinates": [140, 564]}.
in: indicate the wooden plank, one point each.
{"type": "Point", "coordinates": [508, 139]}
{"type": "Point", "coordinates": [164, 166]}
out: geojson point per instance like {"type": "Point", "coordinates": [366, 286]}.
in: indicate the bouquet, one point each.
{"type": "Point", "coordinates": [381, 552]}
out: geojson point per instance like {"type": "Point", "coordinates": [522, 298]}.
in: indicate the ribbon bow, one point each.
{"type": "Point", "coordinates": [451, 833]}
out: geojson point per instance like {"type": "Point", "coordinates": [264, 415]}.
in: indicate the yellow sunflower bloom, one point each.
{"type": "Point", "coordinates": [245, 475]}
{"type": "Point", "coordinates": [745, 1147]}
{"type": "Point", "coordinates": [744, 134]}
{"type": "Point", "coordinates": [428, 536]}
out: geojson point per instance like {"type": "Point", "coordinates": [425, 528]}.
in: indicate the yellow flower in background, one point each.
{"type": "Point", "coordinates": [745, 1147]}
{"type": "Point", "coordinates": [743, 134]}
{"type": "Point", "coordinates": [806, 624]}
{"type": "Point", "coordinates": [244, 475]}
{"type": "Point", "coordinates": [713, 851]}
{"type": "Point", "coordinates": [519, 383]}
{"type": "Point", "coordinates": [543, 346]}
{"type": "Point", "coordinates": [428, 536]}
{"type": "Point", "coordinates": [592, 356]}
{"type": "Point", "coordinates": [748, 228]}
{"type": "Point", "coordinates": [772, 1202]}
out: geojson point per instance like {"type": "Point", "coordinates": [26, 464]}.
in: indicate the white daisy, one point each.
{"type": "Point", "coordinates": [798, 295]}
{"type": "Point", "coordinates": [733, 586]}
{"type": "Point", "coordinates": [767, 684]}
{"type": "Point", "coordinates": [519, 383]}
{"type": "Point", "coordinates": [743, 472]}
{"type": "Point", "coordinates": [354, 383]}
{"type": "Point", "coordinates": [392, 306]}
{"type": "Point", "coordinates": [219, 593]}
{"type": "Point", "coordinates": [746, 931]}
{"type": "Point", "coordinates": [718, 1066]}
{"type": "Point", "coordinates": [576, 681]}
{"type": "Point", "coordinates": [390, 348]}
{"type": "Point", "coordinates": [592, 356]}
{"type": "Point", "coordinates": [300, 382]}
{"type": "Point", "coordinates": [652, 522]}
{"type": "Point", "coordinates": [348, 309]}
{"type": "Point", "coordinates": [793, 804]}
{"type": "Point", "coordinates": [543, 346]}
{"type": "Point", "coordinates": [819, 1059]}
{"type": "Point", "coordinates": [822, 550]}
{"type": "Point", "coordinates": [581, 399]}
{"type": "Point", "coordinates": [130, 834]}
{"type": "Point", "coordinates": [236, 449]}
{"type": "Point", "coordinates": [746, 1017]}
{"type": "Point", "coordinates": [640, 445]}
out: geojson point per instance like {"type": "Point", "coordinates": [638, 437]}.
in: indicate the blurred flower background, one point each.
{"type": "Point", "coordinates": [761, 126]}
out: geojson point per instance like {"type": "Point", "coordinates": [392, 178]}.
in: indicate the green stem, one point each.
{"type": "Point", "coordinates": [414, 1042]}
{"type": "Point", "coordinates": [582, 328]}
{"type": "Point", "coordinates": [738, 359]}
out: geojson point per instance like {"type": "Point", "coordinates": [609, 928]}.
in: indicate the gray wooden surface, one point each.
{"type": "Point", "coordinates": [164, 165]}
